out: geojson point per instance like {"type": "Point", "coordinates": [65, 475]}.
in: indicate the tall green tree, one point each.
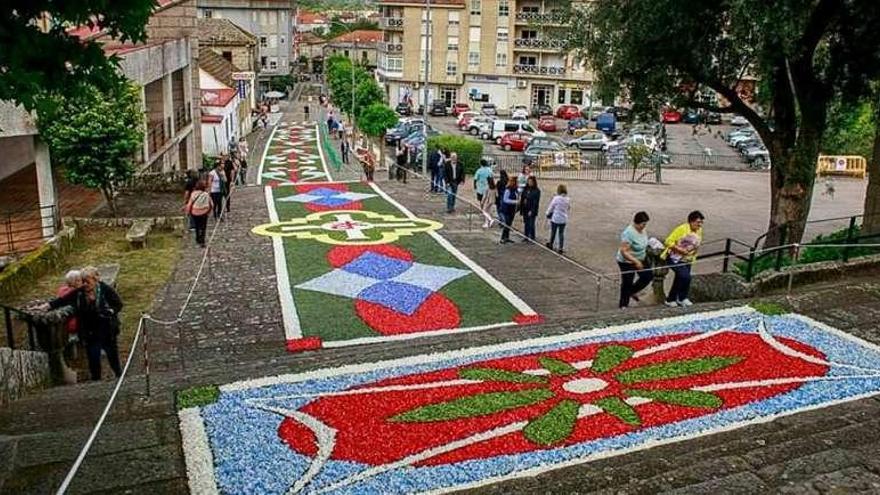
{"type": "Point", "coordinates": [802, 51]}
{"type": "Point", "coordinates": [38, 55]}
{"type": "Point", "coordinates": [94, 136]}
{"type": "Point", "coordinates": [374, 121]}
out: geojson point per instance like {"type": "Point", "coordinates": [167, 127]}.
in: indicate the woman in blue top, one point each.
{"type": "Point", "coordinates": [631, 259]}
{"type": "Point", "coordinates": [509, 203]}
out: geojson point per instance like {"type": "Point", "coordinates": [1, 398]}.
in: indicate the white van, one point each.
{"type": "Point", "coordinates": [502, 127]}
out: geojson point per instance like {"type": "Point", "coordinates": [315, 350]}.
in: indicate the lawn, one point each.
{"type": "Point", "coordinates": [142, 272]}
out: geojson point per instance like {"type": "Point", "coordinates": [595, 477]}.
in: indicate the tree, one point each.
{"type": "Point", "coordinates": [871, 218]}
{"type": "Point", "coordinates": [95, 135]}
{"type": "Point", "coordinates": [35, 62]}
{"type": "Point", "coordinates": [374, 121]}
{"type": "Point", "coordinates": [801, 51]}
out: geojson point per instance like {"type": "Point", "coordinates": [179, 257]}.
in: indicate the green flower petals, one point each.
{"type": "Point", "coordinates": [555, 425]}
{"type": "Point", "coordinates": [497, 375]}
{"type": "Point", "coordinates": [676, 369]}
{"type": "Point", "coordinates": [616, 407]}
{"type": "Point", "coordinates": [556, 366]}
{"type": "Point", "coordinates": [609, 357]}
{"type": "Point", "coordinates": [473, 406]}
{"type": "Point", "coordinates": [690, 398]}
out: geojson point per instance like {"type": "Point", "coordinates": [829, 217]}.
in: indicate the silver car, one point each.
{"type": "Point", "coordinates": [590, 141]}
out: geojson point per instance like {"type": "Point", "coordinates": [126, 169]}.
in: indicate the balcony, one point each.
{"type": "Point", "coordinates": [390, 47]}
{"type": "Point", "coordinates": [182, 116]}
{"type": "Point", "coordinates": [538, 70]}
{"type": "Point", "coordinates": [530, 44]}
{"type": "Point", "coordinates": [545, 19]}
{"type": "Point", "coordinates": [391, 24]}
{"type": "Point", "coordinates": [158, 133]}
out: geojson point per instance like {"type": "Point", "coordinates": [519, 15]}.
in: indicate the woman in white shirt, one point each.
{"type": "Point", "coordinates": [557, 212]}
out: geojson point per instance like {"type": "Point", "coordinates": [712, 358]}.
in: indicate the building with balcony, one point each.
{"type": "Point", "coordinates": [272, 22]}
{"type": "Point", "coordinates": [481, 51]}
{"type": "Point", "coordinates": [360, 46]}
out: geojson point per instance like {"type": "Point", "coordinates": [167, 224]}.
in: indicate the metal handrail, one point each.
{"type": "Point", "coordinates": [8, 311]}
{"type": "Point", "coordinates": [33, 220]}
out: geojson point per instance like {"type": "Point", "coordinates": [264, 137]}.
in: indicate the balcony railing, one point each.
{"type": "Point", "coordinates": [182, 116]}
{"type": "Point", "coordinates": [392, 23]}
{"type": "Point", "coordinates": [539, 44]}
{"type": "Point", "coordinates": [389, 47]}
{"type": "Point", "coordinates": [157, 135]}
{"type": "Point", "coordinates": [538, 70]}
{"type": "Point", "coordinates": [542, 18]}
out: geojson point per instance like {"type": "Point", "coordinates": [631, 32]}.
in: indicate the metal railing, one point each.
{"type": "Point", "coordinates": [16, 324]}
{"type": "Point", "coordinates": [543, 44]}
{"type": "Point", "coordinates": [543, 18]}
{"type": "Point", "coordinates": [538, 70]}
{"type": "Point", "coordinates": [586, 166]}
{"type": "Point", "coordinates": [182, 116]}
{"type": "Point", "coordinates": [157, 136]}
{"type": "Point", "coordinates": [24, 230]}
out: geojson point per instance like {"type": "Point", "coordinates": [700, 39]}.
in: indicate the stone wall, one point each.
{"type": "Point", "coordinates": [158, 223]}
{"type": "Point", "coordinates": [22, 371]}
{"type": "Point", "coordinates": [23, 272]}
{"type": "Point", "coordinates": [171, 181]}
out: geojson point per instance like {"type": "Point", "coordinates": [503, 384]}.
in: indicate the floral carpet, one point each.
{"type": "Point", "coordinates": [354, 266]}
{"type": "Point", "coordinates": [463, 419]}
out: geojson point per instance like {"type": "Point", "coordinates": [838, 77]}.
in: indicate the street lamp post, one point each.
{"type": "Point", "coordinates": [425, 93]}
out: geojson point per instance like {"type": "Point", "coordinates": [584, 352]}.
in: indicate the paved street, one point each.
{"type": "Point", "coordinates": [232, 330]}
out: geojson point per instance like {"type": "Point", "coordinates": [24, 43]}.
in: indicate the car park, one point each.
{"type": "Point", "coordinates": [404, 109]}
{"type": "Point", "coordinates": [515, 141]}
{"type": "Point", "coordinates": [592, 140]}
{"type": "Point", "coordinates": [501, 127]}
{"type": "Point", "coordinates": [568, 112]}
{"type": "Point", "coordinates": [489, 109]}
{"type": "Point", "coordinates": [542, 110]}
{"type": "Point", "coordinates": [738, 120]}
{"type": "Point", "coordinates": [670, 116]}
{"type": "Point", "coordinates": [438, 107]}
{"type": "Point", "coordinates": [575, 124]}
{"type": "Point", "coordinates": [547, 123]}
{"type": "Point", "coordinates": [460, 108]}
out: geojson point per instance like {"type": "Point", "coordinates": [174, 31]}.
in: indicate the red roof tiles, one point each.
{"type": "Point", "coordinates": [217, 97]}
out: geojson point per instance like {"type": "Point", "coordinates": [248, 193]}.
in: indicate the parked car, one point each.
{"type": "Point", "coordinates": [691, 117]}
{"type": "Point", "coordinates": [401, 130]}
{"type": "Point", "coordinates": [542, 110]}
{"type": "Point", "coordinates": [739, 134]}
{"type": "Point", "coordinates": [743, 144]}
{"type": "Point", "coordinates": [620, 113]}
{"type": "Point", "coordinates": [590, 113]}
{"type": "Point", "coordinates": [536, 149]}
{"type": "Point", "coordinates": [515, 141]}
{"type": "Point", "coordinates": [547, 123]}
{"type": "Point", "coordinates": [460, 108]}
{"type": "Point", "coordinates": [438, 107]}
{"type": "Point", "coordinates": [490, 109]}
{"type": "Point", "coordinates": [480, 124]}
{"type": "Point", "coordinates": [464, 119]}
{"type": "Point", "coordinates": [670, 116]}
{"type": "Point", "coordinates": [568, 112]}
{"type": "Point", "coordinates": [739, 120]}
{"type": "Point", "coordinates": [645, 128]}
{"type": "Point", "coordinates": [501, 127]}
{"type": "Point", "coordinates": [649, 142]}
{"type": "Point", "coordinates": [713, 118]}
{"type": "Point", "coordinates": [592, 140]}
{"type": "Point", "coordinates": [578, 123]}
{"type": "Point", "coordinates": [404, 109]}
{"type": "Point", "coordinates": [519, 107]}
{"type": "Point", "coordinates": [606, 123]}
{"type": "Point", "coordinates": [519, 114]}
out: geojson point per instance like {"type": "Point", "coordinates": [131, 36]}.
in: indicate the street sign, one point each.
{"type": "Point", "coordinates": [241, 89]}
{"type": "Point", "coordinates": [243, 76]}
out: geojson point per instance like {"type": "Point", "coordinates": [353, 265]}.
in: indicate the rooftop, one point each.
{"type": "Point", "coordinates": [360, 35]}
{"type": "Point", "coordinates": [217, 97]}
{"type": "Point", "coordinates": [311, 18]}
{"type": "Point", "coordinates": [223, 31]}
{"type": "Point", "coordinates": [218, 67]}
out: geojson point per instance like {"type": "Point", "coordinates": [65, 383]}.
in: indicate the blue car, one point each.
{"type": "Point", "coordinates": [579, 123]}
{"type": "Point", "coordinates": [607, 123]}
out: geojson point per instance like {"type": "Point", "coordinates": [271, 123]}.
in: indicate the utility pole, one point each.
{"type": "Point", "coordinates": [425, 93]}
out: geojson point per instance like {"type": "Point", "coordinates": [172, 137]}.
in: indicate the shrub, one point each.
{"type": "Point", "coordinates": [469, 151]}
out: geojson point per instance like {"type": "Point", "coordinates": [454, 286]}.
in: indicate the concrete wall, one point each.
{"type": "Point", "coordinates": [16, 153]}
{"type": "Point", "coordinates": [15, 121]}
{"type": "Point", "coordinates": [22, 371]}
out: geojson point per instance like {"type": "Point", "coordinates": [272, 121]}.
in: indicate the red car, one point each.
{"type": "Point", "coordinates": [547, 123]}
{"type": "Point", "coordinates": [568, 112]}
{"type": "Point", "coordinates": [670, 116]}
{"type": "Point", "coordinates": [515, 141]}
{"type": "Point", "coordinates": [460, 107]}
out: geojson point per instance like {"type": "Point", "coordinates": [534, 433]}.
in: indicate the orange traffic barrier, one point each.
{"type": "Point", "coordinates": [855, 166]}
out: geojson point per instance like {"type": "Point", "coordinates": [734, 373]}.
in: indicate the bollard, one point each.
{"type": "Point", "coordinates": [598, 292]}
{"type": "Point", "coordinates": [797, 252]}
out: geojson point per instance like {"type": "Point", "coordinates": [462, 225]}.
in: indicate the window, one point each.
{"type": "Point", "coordinates": [451, 68]}
{"type": "Point", "coordinates": [503, 34]}
{"type": "Point", "coordinates": [533, 9]}
{"type": "Point", "coordinates": [475, 7]}
{"type": "Point", "coordinates": [527, 60]}
{"type": "Point", "coordinates": [227, 55]}
{"type": "Point", "coordinates": [453, 23]}
{"type": "Point", "coordinates": [503, 8]}
{"type": "Point", "coordinates": [364, 55]}
{"type": "Point", "coordinates": [273, 63]}
{"type": "Point", "coordinates": [474, 35]}
{"type": "Point", "coordinates": [208, 13]}
{"type": "Point", "coordinates": [346, 53]}
{"type": "Point", "coordinates": [394, 64]}
{"type": "Point", "coordinates": [500, 60]}
{"type": "Point", "coordinates": [561, 95]}
{"type": "Point", "coordinates": [528, 34]}
{"type": "Point", "coordinates": [273, 41]}
{"type": "Point", "coordinates": [281, 40]}
{"type": "Point", "coordinates": [577, 97]}
{"type": "Point", "coordinates": [452, 43]}
{"type": "Point", "coordinates": [263, 62]}
{"type": "Point", "coordinates": [264, 42]}
{"type": "Point", "coordinates": [473, 58]}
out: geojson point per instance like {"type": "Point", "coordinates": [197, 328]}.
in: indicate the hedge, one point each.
{"type": "Point", "coordinates": [469, 151]}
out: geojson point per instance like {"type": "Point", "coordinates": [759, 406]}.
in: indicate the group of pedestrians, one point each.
{"type": "Point", "coordinates": [677, 253]}
{"type": "Point", "coordinates": [210, 192]}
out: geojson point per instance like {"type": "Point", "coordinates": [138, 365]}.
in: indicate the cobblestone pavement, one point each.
{"type": "Point", "coordinates": [232, 330]}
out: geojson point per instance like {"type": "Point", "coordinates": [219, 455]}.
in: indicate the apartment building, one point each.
{"type": "Point", "coordinates": [272, 22]}
{"type": "Point", "coordinates": [481, 51]}
{"type": "Point", "coordinates": [360, 46]}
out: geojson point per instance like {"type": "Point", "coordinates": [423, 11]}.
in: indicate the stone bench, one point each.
{"type": "Point", "coordinates": [137, 233]}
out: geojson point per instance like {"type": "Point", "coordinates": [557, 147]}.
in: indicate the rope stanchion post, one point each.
{"type": "Point", "coordinates": [146, 354]}
{"type": "Point", "coordinates": [796, 250]}
{"type": "Point", "coordinates": [598, 292]}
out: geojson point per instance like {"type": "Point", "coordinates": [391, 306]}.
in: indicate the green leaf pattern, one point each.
{"type": "Point", "coordinates": [474, 405]}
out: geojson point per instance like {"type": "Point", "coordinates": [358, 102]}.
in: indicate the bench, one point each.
{"type": "Point", "coordinates": [137, 233]}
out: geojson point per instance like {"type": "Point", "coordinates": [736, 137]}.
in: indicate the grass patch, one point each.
{"type": "Point", "coordinates": [142, 272]}
{"type": "Point", "coordinates": [769, 308]}
{"type": "Point", "coordinates": [197, 396]}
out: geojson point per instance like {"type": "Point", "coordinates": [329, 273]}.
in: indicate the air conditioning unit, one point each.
{"type": "Point", "coordinates": [522, 84]}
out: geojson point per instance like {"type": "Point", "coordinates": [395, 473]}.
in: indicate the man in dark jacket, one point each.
{"type": "Point", "coordinates": [96, 306]}
{"type": "Point", "coordinates": [435, 164]}
{"type": "Point", "coordinates": [453, 174]}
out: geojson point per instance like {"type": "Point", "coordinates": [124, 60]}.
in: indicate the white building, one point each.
{"type": "Point", "coordinates": [219, 117]}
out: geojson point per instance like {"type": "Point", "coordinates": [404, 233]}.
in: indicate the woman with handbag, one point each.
{"type": "Point", "coordinates": [96, 306]}
{"type": "Point", "coordinates": [199, 206]}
